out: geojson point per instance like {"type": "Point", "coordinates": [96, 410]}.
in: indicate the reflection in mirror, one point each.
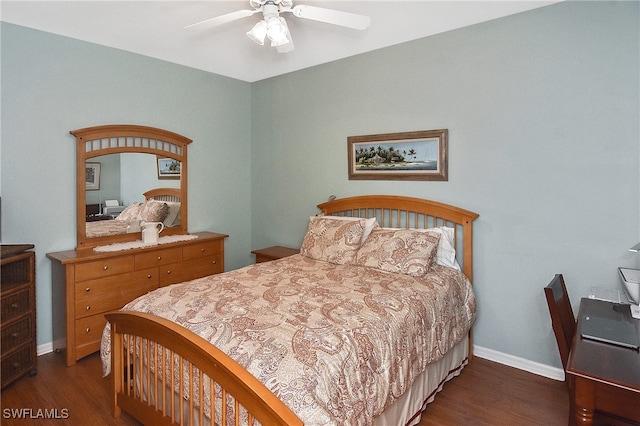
{"type": "Point", "coordinates": [128, 173]}
{"type": "Point", "coordinates": [123, 180]}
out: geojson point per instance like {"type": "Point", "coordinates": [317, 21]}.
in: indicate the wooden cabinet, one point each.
{"type": "Point", "coordinates": [88, 283]}
{"type": "Point", "coordinates": [273, 253]}
{"type": "Point", "coordinates": [18, 312]}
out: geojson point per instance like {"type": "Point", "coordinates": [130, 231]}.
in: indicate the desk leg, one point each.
{"type": "Point", "coordinates": [583, 401]}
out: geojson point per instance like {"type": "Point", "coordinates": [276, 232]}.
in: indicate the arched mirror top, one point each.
{"type": "Point", "coordinates": [135, 159]}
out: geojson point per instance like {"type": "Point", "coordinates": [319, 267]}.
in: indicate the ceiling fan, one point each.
{"type": "Point", "coordinates": [274, 27]}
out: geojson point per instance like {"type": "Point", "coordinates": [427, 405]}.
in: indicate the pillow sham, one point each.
{"type": "Point", "coordinates": [154, 211]}
{"type": "Point", "coordinates": [402, 251]}
{"type": "Point", "coordinates": [131, 212]}
{"type": "Point", "coordinates": [332, 240]}
{"type": "Point", "coordinates": [446, 254]}
{"type": "Point", "coordinates": [369, 224]}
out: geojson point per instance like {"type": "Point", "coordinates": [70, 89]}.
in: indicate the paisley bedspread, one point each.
{"type": "Point", "coordinates": [336, 343]}
{"type": "Point", "coordinates": [105, 228]}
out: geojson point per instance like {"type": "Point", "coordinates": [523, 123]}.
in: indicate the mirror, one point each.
{"type": "Point", "coordinates": [125, 172]}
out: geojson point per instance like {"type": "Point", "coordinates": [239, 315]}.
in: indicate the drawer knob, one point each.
{"type": "Point", "coordinates": [159, 257]}
{"type": "Point", "coordinates": [202, 250]}
{"type": "Point", "coordinates": [88, 308]}
{"type": "Point", "coordinates": [149, 276]}
{"type": "Point", "coordinates": [14, 335]}
{"type": "Point", "coordinates": [213, 262]}
{"type": "Point", "coordinates": [169, 272]}
{"type": "Point", "coordinates": [87, 289]}
{"type": "Point", "coordinates": [105, 267]}
{"type": "Point", "coordinates": [16, 364]}
{"type": "Point", "coordinates": [87, 330]}
{"type": "Point", "coordinates": [15, 306]}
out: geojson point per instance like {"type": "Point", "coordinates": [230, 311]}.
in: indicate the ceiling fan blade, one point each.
{"type": "Point", "coordinates": [223, 19]}
{"type": "Point", "coordinates": [336, 17]}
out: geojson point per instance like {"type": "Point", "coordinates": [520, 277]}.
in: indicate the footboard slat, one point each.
{"type": "Point", "coordinates": [152, 358]}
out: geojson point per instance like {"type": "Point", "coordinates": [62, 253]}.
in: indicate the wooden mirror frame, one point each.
{"type": "Point", "coordinates": [92, 142]}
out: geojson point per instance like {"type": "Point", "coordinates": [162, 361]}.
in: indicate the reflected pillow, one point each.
{"type": "Point", "coordinates": [401, 251]}
{"type": "Point", "coordinates": [154, 211]}
{"type": "Point", "coordinates": [332, 240]}
{"type": "Point", "coordinates": [131, 212]}
{"type": "Point", "coordinates": [173, 217]}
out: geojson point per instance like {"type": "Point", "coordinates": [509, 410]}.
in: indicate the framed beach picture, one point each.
{"type": "Point", "coordinates": [420, 155]}
{"type": "Point", "coordinates": [92, 176]}
{"type": "Point", "coordinates": [168, 168]}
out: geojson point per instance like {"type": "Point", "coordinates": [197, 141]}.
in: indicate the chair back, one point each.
{"type": "Point", "coordinates": [562, 319]}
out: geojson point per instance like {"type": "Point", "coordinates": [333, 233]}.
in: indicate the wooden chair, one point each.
{"type": "Point", "coordinates": [562, 318]}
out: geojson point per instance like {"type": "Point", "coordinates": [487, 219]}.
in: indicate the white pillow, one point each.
{"type": "Point", "coordinates": [369, 224]}
{"type": "Point", "coordinates": [446, 254]}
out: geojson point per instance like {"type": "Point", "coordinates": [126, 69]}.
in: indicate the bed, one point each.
{"type": "Point", "coordinates": [161, 205]}
{"type": "Point", "coordinates": [363, 327]}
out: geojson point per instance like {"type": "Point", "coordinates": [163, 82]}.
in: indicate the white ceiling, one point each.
{"type": "Point", "coordinates": [156, 29]}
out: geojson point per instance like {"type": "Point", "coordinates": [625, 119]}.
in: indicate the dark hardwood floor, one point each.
{"type": "Point", "coordinates": [485, 393]}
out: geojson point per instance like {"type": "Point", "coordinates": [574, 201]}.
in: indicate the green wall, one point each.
{"type": "Point", "coordinates": [542, 111]}
{"type": "Point", "coordinates": [52, 84]}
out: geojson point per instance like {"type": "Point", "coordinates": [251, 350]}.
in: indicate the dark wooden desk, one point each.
{"type": "Point", "coordinates": [604, 379]}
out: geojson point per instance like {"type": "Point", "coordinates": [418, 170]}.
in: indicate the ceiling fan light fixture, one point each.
{"type": "Point", "coordinates": [258, 32]}
{"type": "Point", "coordinates": [277, 31]}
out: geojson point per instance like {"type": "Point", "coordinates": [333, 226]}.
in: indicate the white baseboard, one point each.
{"type": "Point", "coordinates": [47, 348]}
{"type": "Point", "coordinates": [519, 363]}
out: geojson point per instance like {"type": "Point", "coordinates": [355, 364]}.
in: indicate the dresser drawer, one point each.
{"type": "Point", "coordinates": [204, 249]}
{"type": "Point", "coordinates": [89, 329]}
{"type": "Point", "coordinates": [16, 304]}
{"type": "Point", "coordinates": [97, 296]}
{"type": "Point", "coordinates": [103, 268]}
{"type": "Point", "coordinates": [16, 363]}
{"type": "Point", "coordinates": [158, 257]}
{"type": "Point", "coordinates": [190, 270]}
{"type": "Point", "coordinates": [16, 333]}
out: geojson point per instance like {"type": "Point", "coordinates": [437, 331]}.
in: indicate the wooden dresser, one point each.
{"type": "Point", "coordinates": [89, 283]}
{"type": "Point", "coordinates": [18, 312]}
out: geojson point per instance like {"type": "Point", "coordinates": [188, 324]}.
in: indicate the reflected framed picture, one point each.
{"type": "Point", "coordinates": [169, 168]}
{"type": "Point", "coordinates": [419, 155]}
{"type": "Point", "coordinates": [92, 176]}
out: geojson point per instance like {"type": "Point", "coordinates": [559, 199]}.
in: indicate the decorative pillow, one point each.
{"type": "Point", "coordinates": [402, 251]}
{"type": "Point", "coordinates": [154, 211]}
{"type": "Point", "coordinates": [446, 254]}
{"type": "Point", "coordinates": [173, 216]}
{"type": "Point", "coordinates": [332, 240]}
{"type": "Point", "coordinates": [369, 224]}
{"type": "Point", "coordinates": [131, 212]}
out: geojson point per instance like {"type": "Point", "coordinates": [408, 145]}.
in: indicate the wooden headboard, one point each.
{"type": "Point", "coordinates": [408, 212]}
{"type": "Point", "coordinates": [163, 194]}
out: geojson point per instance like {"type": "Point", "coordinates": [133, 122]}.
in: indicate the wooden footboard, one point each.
{"type": "Point", "coordinates": [179, 392]}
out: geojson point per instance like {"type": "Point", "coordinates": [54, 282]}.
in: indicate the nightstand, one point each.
{"type": "Point", "coordinates": [273, 253]}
